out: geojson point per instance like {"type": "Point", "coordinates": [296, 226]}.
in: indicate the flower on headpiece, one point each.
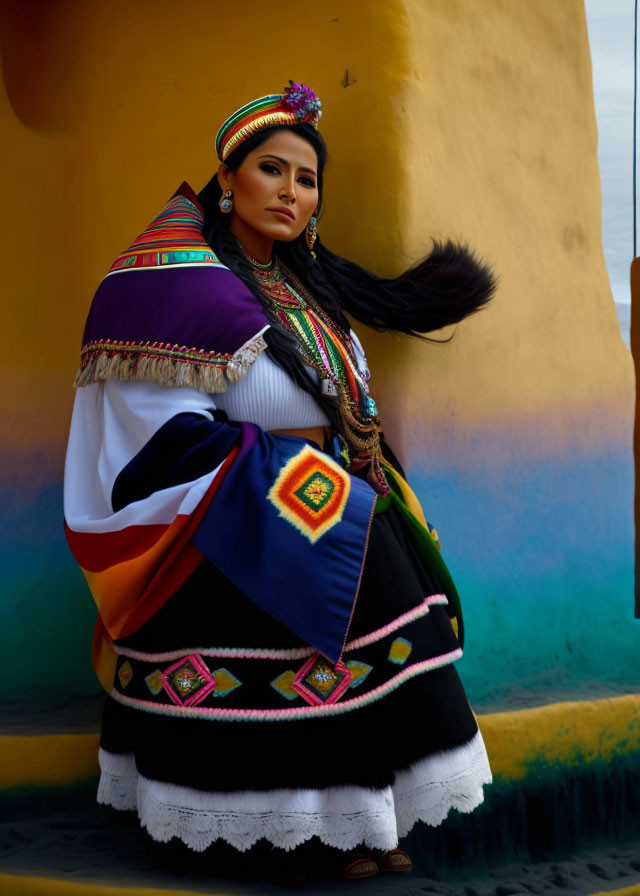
{"type": "Point", "coordinates": [303, 103]}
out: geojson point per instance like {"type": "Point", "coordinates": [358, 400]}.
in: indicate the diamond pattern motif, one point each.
{"type": "Point", "coordinates": [318, 682]}
{"type": "Point", "coordinates": [316, 491]}
{"type": "Point", "coordinates": [125, 674]}
{"type": "Point", "coordinates": [282, 684]}
{"type": "Point", "coordinates": [188, 681]}
{"type": "Point", "coordinates": [399, 651]}
{"type": "Point", "coordinates": [359, 671]}
{"type": "Point", "coordinates": [154, 682]}
{"type": "Point", "coordinates": [225, 682]}
{"type": "Point", "coordinates": [311, 492]}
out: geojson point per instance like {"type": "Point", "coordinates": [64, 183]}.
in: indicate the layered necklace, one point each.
{"type": "Point", "coordinates": [328, 349]}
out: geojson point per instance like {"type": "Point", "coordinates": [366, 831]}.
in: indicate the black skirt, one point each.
{"type": "Point", "coordinates": [205, 700]}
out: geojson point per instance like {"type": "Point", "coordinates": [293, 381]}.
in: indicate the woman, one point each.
{"type": "Point", "coordinates": [276, 627]}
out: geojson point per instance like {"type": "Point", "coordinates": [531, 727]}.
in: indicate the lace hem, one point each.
{"type": "Point", "coordinates": [118, 783]}
{"type": "Point", "coordinates": [451, 780]}
{"type": "Point", "coordinates": [342, 817]}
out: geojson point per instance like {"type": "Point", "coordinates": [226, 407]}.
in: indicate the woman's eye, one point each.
{"type": "Point", "coordinates": [307, 182]}
{"type": "Point", "coordinates": [270, 168]}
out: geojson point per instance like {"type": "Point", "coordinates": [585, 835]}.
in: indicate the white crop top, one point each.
{"type": "Point", "coordinates": [267, 396]}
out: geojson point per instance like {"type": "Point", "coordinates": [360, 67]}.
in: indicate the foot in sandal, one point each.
{"type": "Point", "coordinates": [396, 860]}
{"type": "Point", "coordinates": [355, 865]}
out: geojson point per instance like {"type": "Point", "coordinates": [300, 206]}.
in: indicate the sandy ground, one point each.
{"type": "Point", "coordinates": [94, 844]}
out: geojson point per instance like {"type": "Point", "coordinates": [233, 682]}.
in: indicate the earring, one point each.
{"type": "Point", "coordinates": [226, 202]}
{"type": "Point", "coordinates": [311, 233]}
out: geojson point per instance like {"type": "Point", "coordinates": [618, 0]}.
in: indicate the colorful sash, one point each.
{"type": "Point", "coordinates": [283, 521]}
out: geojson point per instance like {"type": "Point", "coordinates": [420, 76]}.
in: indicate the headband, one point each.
{"type": "Point", "coordinates": [296, 105]}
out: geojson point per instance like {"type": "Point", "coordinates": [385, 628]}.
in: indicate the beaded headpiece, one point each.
{"type": "Point", "coordinates": [296, 105]}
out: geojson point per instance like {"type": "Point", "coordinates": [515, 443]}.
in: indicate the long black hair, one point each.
{"type": "Point", "coordinates": [445, 287]}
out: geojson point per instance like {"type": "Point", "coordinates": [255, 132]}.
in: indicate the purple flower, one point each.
{"type": "Point", "coordinates": [303, 102]}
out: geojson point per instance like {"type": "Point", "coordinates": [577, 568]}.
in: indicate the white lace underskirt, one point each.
{"type": "Point", "coordinates": [343, 817]}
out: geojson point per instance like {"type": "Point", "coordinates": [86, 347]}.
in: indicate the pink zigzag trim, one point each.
{"type": "Point", "coordinates": [293, 653]}
{"type": "Point", "coordinates": [304, 712]}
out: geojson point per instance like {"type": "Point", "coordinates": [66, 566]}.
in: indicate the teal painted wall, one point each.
{"type": "Point", "coordinates": [542, 554]}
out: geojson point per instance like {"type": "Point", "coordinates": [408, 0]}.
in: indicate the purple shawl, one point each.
{"type": "Point", "coordinates": [170, 312]}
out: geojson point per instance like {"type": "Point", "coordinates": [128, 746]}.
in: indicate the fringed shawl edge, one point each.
{"type": "Point", "coordinates": [167, 365]}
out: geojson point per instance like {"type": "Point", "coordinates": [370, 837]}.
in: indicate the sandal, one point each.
{"type": "Point", "coordinates": [355, 865]}
{"type": "Point", "coordinates": [395, 860]}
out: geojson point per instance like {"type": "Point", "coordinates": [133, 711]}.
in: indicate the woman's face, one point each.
{"type": "Point", "coordinates": [275, 189]}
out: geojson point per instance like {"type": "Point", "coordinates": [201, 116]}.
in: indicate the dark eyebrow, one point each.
{"type": "Point", "coordinates": [270, 155]}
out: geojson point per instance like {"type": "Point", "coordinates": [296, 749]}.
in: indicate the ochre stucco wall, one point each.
{"type": "Point", "coordinates": [105, 109]}
{"type": "Point", "coordinates": [499, 135]}
{"type": "Point", "coordinates": [461, 119]}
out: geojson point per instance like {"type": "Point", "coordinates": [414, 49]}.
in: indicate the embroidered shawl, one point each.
{"type": "Point", "coordinates": [168, 311]}
{"type": "Point", "coordinates": [154, 483]}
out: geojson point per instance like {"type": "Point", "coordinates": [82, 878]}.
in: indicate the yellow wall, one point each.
{"type": "Point", "coordinates": [455, 125]}
{"type": "Point", "coordinates": [106, 108]}
{"type": "Point", "coordinates": [500, 142]}
{"type": "Point", "coordinates": [463, 119]}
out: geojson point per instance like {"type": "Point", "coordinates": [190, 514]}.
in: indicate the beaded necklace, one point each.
{"type": "Point", "coordinates": [328, 349]}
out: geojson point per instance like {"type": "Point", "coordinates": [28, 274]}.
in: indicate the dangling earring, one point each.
{"type": "Point", "coordinates": [312, 233]}
{"type": "Point", "coordinates": [226, 202]}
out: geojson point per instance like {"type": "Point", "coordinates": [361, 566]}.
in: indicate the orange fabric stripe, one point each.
{"type": "Point", "coordinates": [129, 594]}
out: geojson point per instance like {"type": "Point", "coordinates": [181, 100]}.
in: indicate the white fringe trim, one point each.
{"type": "Point", "coordinates": [342, 817]}
{"type": "Point", "coordinates": [167, 365]}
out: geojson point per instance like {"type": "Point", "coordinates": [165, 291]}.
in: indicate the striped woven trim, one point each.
{"type": "Point", "coordinates": [186, 256]}
{"type": "Point", "coordinates": [167, 261]}
{"type": "Point", "coordinates": [173, 237]}
{"type": "Point", "coordinates": [253, 109]}
{"type": "Point", "coordinates": [256, 124]}
{"type": "Point", "coordinates": [295, 653]}
{"type": "Point", "coordinates": [291, 714]}
{"type": "Point", "coordinates": [263, 102]}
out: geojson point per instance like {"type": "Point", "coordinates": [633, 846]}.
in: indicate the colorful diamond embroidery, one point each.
{"type": "Point", "coordinates": [399, 651]}
{"type": "Point", "coordinates": [188, 681]}
{"type": "Point", "coordinates": [311, 492]}
{"type": "Point", "coordinates": [282, 684]}
{"type": "Point", "coordinates": [316, 491]}
{"type": "Point", "coordinates": [318, 682]}
{"type": "Point", "coordinates": [225, 682]}
{"type": "Point", "coordinates": [125, 674]}
{"type": "Point", "coordinates": [154, 682]}
{"type": "Point", "coordinates": [359, 672]}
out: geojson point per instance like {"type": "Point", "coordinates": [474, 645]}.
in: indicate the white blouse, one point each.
{"type": "Point", "coordinates": [267, 396]}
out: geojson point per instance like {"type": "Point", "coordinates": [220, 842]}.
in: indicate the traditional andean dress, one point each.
{"type": "Point", "coordinates": [277, 629]}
